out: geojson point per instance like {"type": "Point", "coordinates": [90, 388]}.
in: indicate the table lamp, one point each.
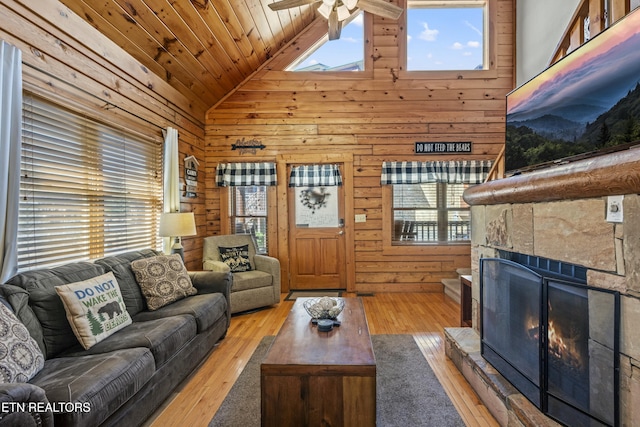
{"type": "Point", "coordinates": [177, 225]}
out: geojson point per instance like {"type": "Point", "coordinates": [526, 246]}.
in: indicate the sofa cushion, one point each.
{"type": "Point", "coordinates": [163, 280]}
{"type": "Point", "coordinates": [100, 382]}
{"type": "Point", "coordinates": [120, 265]}
{"type": "Point", "coordinates": [236, 257]}
{"type": "Point", "coordinates": [18, 298]}
{"type": "Point", "coordinates": [206, 309]}
{"type": "Point", "coordinates": [164, 337]}
{"type": "Point", "coordinates": [36, 413]}
{"type": "Point", "coordinates": [20, 356]}
{"type": "Point", "coordinates": [250, 280]}
{"type": "Point", "coordinates": [95, 308]}
{"type": "Point", "coordinates": [47, 306]}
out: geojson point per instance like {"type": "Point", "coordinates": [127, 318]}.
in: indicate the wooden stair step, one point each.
{"type": "Point", "coordinates": [464, 271]}
{"type": "Point", "coordinates": [452, 288]}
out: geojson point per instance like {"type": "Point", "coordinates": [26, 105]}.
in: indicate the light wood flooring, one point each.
{"type": "Point", "coordinates": [424, 315]}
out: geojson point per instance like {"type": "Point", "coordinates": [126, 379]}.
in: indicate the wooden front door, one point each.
{"type": "Point", "coordinates": [316, 238]}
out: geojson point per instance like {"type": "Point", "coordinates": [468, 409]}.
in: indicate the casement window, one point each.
{"type": "Point", "coordinates": [450, 35]}
{"type": "Point", "coordinates": [251, 196]}
{"type": "Point", "coordinates": [425, 204]}
{"type": "Point", "coordinates": [430, 213]}
{"type": "Point", "coordinates": [87, 189]}
{"type": "Point", "coordinates": [248, 213]}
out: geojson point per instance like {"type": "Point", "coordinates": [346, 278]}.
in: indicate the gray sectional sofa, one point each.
{"type": "Point", "coordinates": [123, 379]}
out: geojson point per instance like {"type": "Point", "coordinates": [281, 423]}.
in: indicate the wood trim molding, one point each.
{"type": "Point", "coordinates": [611, 174]}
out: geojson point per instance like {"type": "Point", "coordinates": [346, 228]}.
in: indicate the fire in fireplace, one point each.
{"type": "Point", "coordinates": [553, 337]}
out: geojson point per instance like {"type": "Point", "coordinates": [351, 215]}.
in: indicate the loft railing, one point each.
{"type": "Point", "coordinates": [590, 18]}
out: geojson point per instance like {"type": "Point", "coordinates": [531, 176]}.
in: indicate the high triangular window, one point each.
{"type": "Point", "coordinates": [343, 54]}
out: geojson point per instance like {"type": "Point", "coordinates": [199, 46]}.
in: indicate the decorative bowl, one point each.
{"type": "Point", "coordinates": [325, 325]}
{"type": "Point", "coordinates": [324, 308]}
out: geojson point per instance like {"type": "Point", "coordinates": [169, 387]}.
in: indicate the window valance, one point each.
{"type": "Point", "coordinates": [447, 171]}
{"type": "Point", "coordinates": [315, 176]}
{"type": "Point", "coordinates": [236, 174]}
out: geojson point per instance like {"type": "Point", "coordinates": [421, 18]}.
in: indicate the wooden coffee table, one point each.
{"type": "Point", "coordinates": [312, 378]}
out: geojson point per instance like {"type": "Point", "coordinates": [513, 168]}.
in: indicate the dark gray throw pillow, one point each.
{"type": "Point", "coordinates": [236, 257]}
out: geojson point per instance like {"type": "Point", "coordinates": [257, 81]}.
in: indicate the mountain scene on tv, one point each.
{"type": "Point", "coordinates": [587, 102]}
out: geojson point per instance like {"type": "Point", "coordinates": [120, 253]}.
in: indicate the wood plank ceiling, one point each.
{"type": "Point", "coordinates": [203, 48]}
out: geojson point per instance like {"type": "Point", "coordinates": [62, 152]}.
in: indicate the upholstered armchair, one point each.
{"type": "Point", "coordinates": [256, 278]}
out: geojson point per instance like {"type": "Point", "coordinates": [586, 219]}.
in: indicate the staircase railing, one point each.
{"type": "Point", "coordinates": [497, 169]}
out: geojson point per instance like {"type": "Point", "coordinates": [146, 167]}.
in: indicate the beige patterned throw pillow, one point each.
{"type": "Point", "coordinates": [163, 279]}
{"type": "Point", "coordinates": [20, 356]}
{"type": "Point", "coordinates": [95, 308]}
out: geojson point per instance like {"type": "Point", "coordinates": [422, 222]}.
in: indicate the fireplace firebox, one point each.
{"type": "Point", "coordinates": [552, 336]}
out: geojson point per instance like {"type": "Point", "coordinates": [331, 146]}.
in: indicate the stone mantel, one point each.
{"type": "Point", "coordinates": [611, 174]}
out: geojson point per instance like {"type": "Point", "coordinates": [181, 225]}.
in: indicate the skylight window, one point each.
{"type": "Point", "coordinates": [343, 54]}
{"type": "Point", "coordinates": [447, 35]}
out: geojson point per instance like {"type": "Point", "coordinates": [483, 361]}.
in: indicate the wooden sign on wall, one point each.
{"type": "Point", "coordinates": [191, 176]}
{"type": "Point", "coordinates": [442, 147]}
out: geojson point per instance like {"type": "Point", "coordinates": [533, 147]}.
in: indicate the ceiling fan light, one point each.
{"type": "Point", "coordinates": [343, 13]}
{"type": "Point", "coordinates": [329, 3]}
{"type": "Point", "coordinates": [325, 10]}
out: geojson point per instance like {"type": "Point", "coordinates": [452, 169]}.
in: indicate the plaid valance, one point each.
{"type": "Point", "coordinates": [235, 174]}
{"type": "Point", "coordinates": [315, 176]}
{"type": "Point", "coordinates": [447, 171]}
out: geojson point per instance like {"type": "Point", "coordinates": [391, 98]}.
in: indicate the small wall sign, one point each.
{"type": "Point", "coordinates": [250, 146]}
{"type": "Point", "coordinates": [191, 176]}
{"type": "Point", "coordinates": [442, 147]}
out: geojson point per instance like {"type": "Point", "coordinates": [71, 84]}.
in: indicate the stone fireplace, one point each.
{"type": "Point", "coordinates": [560, 215]}
{"type": "Point", "coordinates": [551, 336]}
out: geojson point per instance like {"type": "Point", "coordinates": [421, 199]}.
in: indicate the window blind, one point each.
{"type": "Point", "coordinates": [87, 189]}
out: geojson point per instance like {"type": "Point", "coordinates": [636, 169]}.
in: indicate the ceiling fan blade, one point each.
{"type": "Point", "coordinates": [351, 4]}
{"type": "Point", "coordinates": [380, 8]}
{"type": "Point", "coordinates": [286, 4]}
{"type": "Point", "coordinates": [343, 12]}
{"type": "Point", "coordinates": [325, 10]}
{"type": "Point", "coordinates": [335, 26]}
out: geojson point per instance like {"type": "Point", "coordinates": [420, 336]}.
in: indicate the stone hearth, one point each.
{"type": "Point", "coordinates": [507, 405]}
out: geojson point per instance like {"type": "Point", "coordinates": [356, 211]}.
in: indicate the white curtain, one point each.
{"type": "Point", "coordinates": [171, 174]}
{"type": "Point", "coordinates": [10, 142]}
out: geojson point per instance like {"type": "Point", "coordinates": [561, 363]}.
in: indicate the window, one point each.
{"type": "Point", "coordinates": [430, 213]}
{"type": "Point", "coordinates": [425, 204]}
{"type": "Point", "coordinates": [251, 195]}
{"type": "Point", "coordinates": [248, 205]}
{"type": "Point", "coordinates": [447, 35]}
{"type": "Point", "coordinates": [344, 54]}
{"type": "Point", "coordinates": [87, 189]}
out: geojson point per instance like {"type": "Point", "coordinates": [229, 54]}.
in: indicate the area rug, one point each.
{"type": "Point", "coordinates": [311, 294]}
{"type": "Point", "coordinates": [407, 391]}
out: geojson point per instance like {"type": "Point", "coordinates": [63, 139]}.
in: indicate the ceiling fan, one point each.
{"type": "Point", "coordinates": [336, 11]}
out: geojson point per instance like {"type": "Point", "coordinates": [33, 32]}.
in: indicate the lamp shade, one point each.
{"type": "Point", "coordinates": [177, 224]}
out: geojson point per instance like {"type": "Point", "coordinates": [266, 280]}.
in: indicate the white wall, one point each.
{"type": "Point", "coordinates": [540, 25]}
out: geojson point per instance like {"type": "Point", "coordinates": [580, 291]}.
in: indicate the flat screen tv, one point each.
{"type": "Point", "coordinates": [588, 103]}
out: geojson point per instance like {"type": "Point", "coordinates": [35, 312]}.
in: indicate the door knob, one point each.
{"type": "Point", "coordinates": [340, 233]}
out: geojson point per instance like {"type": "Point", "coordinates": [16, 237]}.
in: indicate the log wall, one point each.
{"type": "Point", "coordinates": [68, 61]}
{"type": "Point", "coordinates": [374, 116]}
